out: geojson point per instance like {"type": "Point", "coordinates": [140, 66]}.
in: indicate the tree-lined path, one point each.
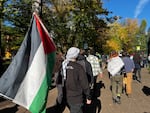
{"type": "Point", "coordinates": [138, 103]}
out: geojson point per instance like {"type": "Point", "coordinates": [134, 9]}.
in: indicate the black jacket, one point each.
{"type": "Point", "coordinates": [87, 67]}
{"type": "Point", "coordinates": [76, 84]}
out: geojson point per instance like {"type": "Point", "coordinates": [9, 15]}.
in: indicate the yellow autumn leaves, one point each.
{"type": "Point", "coordinates": [122, 36]}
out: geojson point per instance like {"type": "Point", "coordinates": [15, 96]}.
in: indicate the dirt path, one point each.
{"type": "Point", "coordinates": [138, 103]}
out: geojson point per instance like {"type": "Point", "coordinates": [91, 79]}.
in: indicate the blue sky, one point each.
{"type": "Point", "coordinates": [139, 9]}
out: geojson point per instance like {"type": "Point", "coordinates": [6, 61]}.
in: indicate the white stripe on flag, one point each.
{"type": "Point", "coordinates": [33, 79]}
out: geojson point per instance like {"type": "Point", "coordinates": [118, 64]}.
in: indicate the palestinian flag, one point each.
{"type": "Point", "coordinates": [26, 81]}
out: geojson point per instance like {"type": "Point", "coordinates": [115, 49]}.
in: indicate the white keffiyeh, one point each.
{"type": "Point", "coordinates": [114, 65]}
{"type": "Point", "coordinates": [72, 54]}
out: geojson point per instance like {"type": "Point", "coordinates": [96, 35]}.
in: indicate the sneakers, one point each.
{"type": "Point", "coordinates": [117, 100]}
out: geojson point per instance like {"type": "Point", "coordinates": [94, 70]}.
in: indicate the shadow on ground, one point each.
{"type": "Point", "coordinates": [52, 109]}
{"type": "Point", "coordinates": [2, 99]}
{"type": "Point", "coordinates": [94, 107]}
{"type": "Point", "coordinates": [10, 110]}
{"type": "Point", "coordinates": [146, 90]}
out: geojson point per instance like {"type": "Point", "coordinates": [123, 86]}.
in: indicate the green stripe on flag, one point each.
{"type": "Point", "coordinates": [40, 100]}
{"type": "Point", "coordinates": [50, 66]}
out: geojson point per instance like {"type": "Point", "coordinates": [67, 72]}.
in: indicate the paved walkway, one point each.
{"type": "Point", "coordinates": [138, 103]}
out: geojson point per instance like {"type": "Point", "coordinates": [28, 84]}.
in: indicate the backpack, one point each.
{"type": "Point", "coordinates": [82, 63]}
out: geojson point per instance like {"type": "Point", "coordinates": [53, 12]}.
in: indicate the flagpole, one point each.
{"type": "Point", "coordinates": [37, 7]}
{"type": "Point", "coordinates": [43, 27]}
{"type": "Point", "coordinates": [41, 8]}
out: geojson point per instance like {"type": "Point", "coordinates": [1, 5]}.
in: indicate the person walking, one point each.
{"type": "Point", "coordinates": [128, 68]}
{"type": "Point", "coordinates": [96, 69]}
{"type": "Point", "coordinates": [73, 83]}
{"type": "Point", "coordinates": [81, 59]}
{"type": "Point", "coordinates": [115, 65]}
{"type": "Point", "coordinates": [137, 71]}
{"type": "Point", "coordinates": [58, 60]}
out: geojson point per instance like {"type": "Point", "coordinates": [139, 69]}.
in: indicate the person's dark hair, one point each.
{"type": "Point", "coordinates": [113, 54]}
{"type": "Point", "coordinates": [82, 51]}
{"type": "Point", "coordinates": [92, 52]}
{"type": "Point", "coordinates": [124, 54]}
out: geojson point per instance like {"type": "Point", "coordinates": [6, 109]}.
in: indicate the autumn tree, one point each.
{"type": "Point", "coordinates": [132, 30]}
{"type": "Point", "coordinates": [148, 40]}
{"type": "Point", "coordinates": [122, 36]}
{"type": "Point", "coordinates": [76, 22]}
{"type": "Point", "coordinates": [114, 38]}
{"type": "Point", "coordinates": [141, 36]}
{"type": "Point", "coordinates": [70, 23]}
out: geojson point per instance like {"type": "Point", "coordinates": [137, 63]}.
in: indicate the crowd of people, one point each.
{"type": "Point", "coordinates": [76, 72]}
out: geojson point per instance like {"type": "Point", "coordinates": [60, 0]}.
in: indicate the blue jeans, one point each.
{"type": "Point", "coordinates": [75, 108]}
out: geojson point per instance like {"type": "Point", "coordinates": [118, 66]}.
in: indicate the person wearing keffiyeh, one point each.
{"type": "Point", "coordinates": [74, 82]}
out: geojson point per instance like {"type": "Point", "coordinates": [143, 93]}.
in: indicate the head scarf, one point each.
{"type": "Point", "coordinates": [72, 53]}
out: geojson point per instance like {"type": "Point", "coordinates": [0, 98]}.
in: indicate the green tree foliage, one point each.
{"type": "Point", "coordinates": [148, 40]}
{"type": "Point", "coordinates": [87, 21]}
{"type": "Point", "coordinates": [71, 23]}
{"type": "Point", "coordinates": [132, 29]}
{"type": "Point", "coordinates": [142, 28]}
{"type": "Point", "coordinates": [76, 22]}
{"type": "Point", "coordinates": [141, 38]}
{"type": "Point", "coordinates": [122, 36]}
{"type": "Point", "coordinates": [1, 19]}
{"type": "Point", "coordinates": [11, 38]}
{"type": "Point", "coordinates": [18, 14]}
{"type": "Point", "coordinates": [116, 37]}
